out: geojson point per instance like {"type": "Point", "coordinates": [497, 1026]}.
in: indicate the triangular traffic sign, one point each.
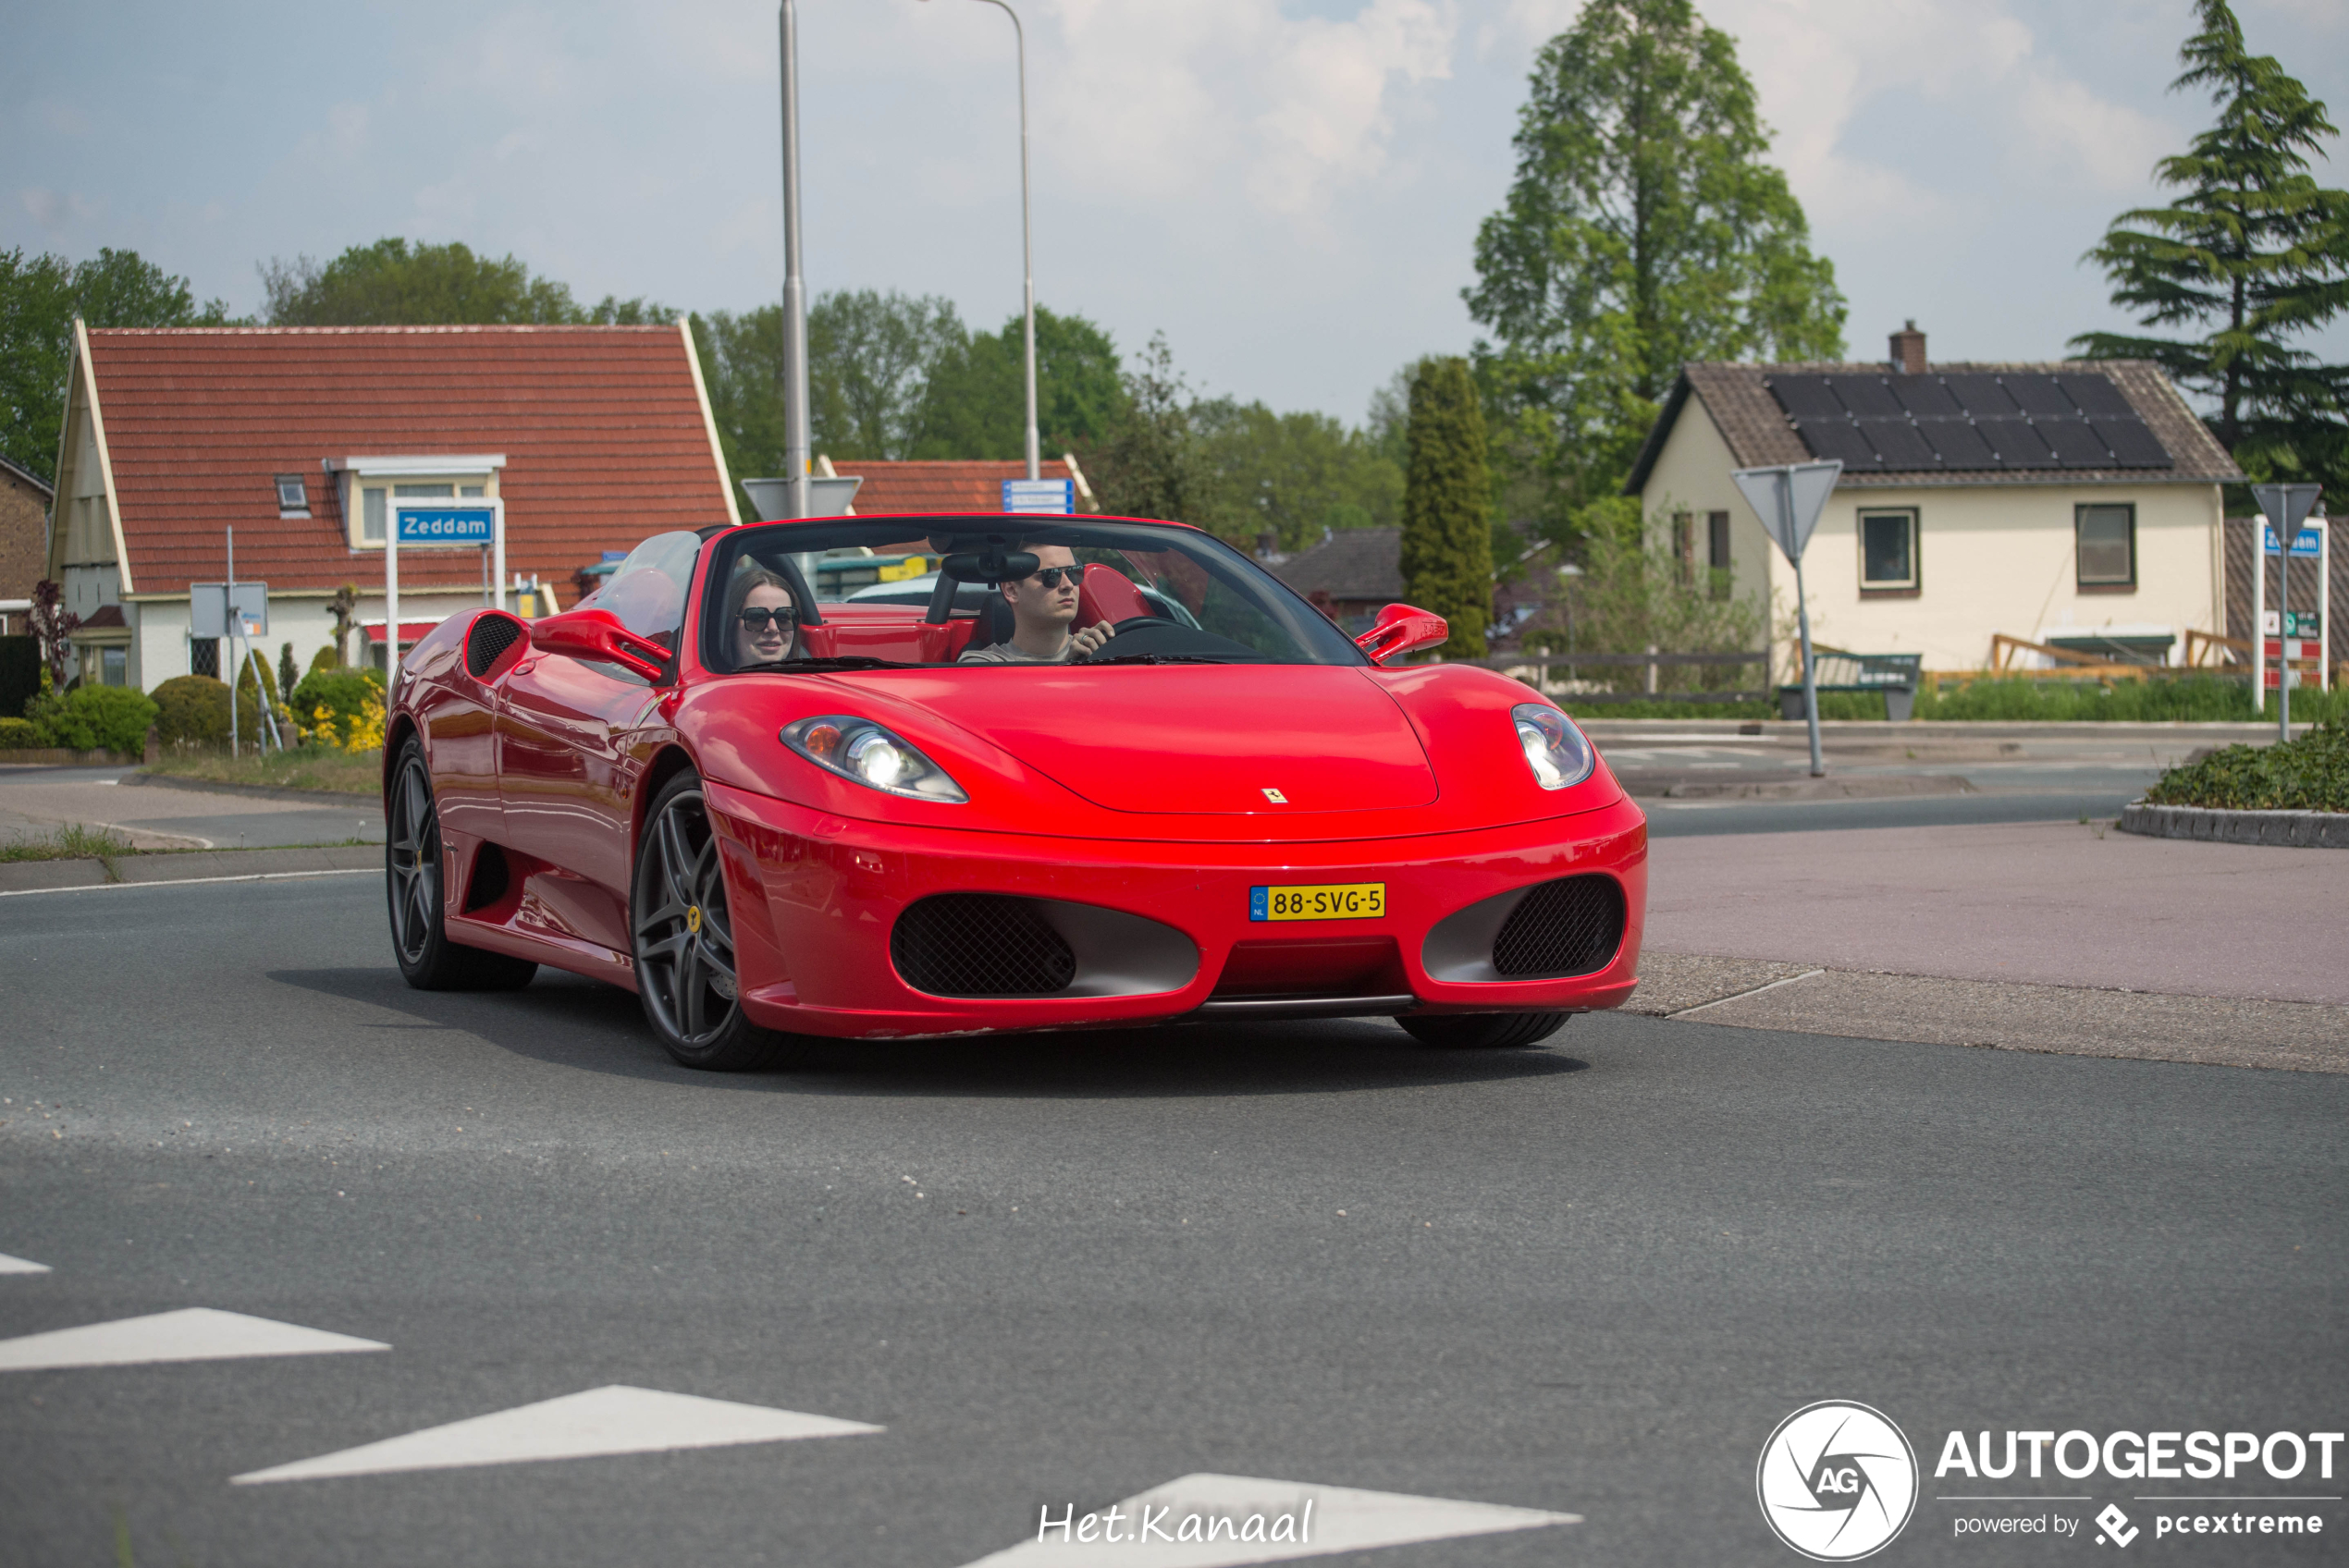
{"type": "Point", "coordinates": [1789, 499]}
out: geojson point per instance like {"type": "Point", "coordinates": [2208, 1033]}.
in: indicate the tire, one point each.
{"type": "Point", "coordinates": [418, 903]}
{"type": "Point", "coordinates": [683, 935]}
{"type": "Point", "coordinates": [1485, 1031]}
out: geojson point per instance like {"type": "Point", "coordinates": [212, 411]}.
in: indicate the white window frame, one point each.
{"type": "Point", "coordinates": [1914, 581]}
{"type": "Point", "coordinates": [468, 476]}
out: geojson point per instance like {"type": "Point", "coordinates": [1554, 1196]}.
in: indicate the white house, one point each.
{"type": "Point", "coordinates": [2074, 503]}
{"type": "Point", "coordinates": [300, 438]}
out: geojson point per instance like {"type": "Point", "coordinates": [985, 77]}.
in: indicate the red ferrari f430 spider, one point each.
{"type": "Point", "coordinates": [884, 777]}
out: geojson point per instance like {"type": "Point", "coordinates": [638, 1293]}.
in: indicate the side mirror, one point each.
{"type": "Point", "coordinates": [597, 634]}
{"type": "Point", "coordinates": [1401, 630]}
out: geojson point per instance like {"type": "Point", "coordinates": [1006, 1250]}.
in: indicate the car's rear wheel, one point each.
{"type": "Point", "coordinates": [1484, 1031]}
{"type": "Point", "coordinates": [684, 936]}
{"type": "Point", "coordinates": [428, 960]}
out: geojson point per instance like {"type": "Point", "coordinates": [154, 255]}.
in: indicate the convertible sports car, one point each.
{"type": "Point", "coordinates": [758, 778]}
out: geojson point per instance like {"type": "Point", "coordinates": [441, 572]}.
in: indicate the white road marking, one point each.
{"type": "Point", "coordinates": [1743, 995]}
{"type": "Point", "coordinates": [1323, 1520]}
{"type": "Point", "coordinates": [194, 1333]}
{"type": "Point", "coordinates": [20, 1266]}
{"type": "Point", "coordinates": [196, 881]}
{"type": "Point", "coordinates": [616, 1419]}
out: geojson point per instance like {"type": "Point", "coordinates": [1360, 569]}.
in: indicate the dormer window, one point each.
{"type": "Point", "coordinates": [379, 482]}
{"type": "Point", "coordinates": [293, 496]}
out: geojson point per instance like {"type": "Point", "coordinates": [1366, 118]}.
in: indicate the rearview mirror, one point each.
{"type": "Point", "coordinates": [598, 634]}
{"type": "Point", "coordinates": [1402, 629]}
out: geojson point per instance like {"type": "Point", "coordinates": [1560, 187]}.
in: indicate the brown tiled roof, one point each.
{"type": "Point", "coordinates": [1351, 565]}
{"type": "Point", "coordinates": [1760, 435]}
{"type": "Point", "coordinates": [601, 428]}
{"type": "Point", "coordinates": [939, 486]}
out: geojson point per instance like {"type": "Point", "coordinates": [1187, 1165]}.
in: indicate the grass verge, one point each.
{"type": "Point", "coordinates": [310, 767]}
{"type": "Point", "coordinates": [72, 841]}
{"type": "Point", "coordinates": [2308, 774]}
{"type": "Point", "coordinates": [2194, 698]}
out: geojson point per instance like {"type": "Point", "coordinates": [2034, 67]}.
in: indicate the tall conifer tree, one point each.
{"type": "Point", "coordinates": [1447, 506]}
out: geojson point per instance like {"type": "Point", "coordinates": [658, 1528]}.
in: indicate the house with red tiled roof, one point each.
{"type": "Point", "coordinates": [2075, 504]}
{"type": "Point", "coordinates": [946, 486]}
{"type": "Point", "coordinates": [300, 439]}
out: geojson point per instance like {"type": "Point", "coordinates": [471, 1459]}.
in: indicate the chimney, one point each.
{"type": "Point", "coordinates": [1908, 351]}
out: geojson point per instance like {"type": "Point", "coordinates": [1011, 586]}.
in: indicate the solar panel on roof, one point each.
{"type": "Point", "coordinates": [1959, 443]}
{"type": "Point", "coordinates": [2094, 394]}
{"type": "Point", "coordinates": [1805, 397]}
{"type": "Point", "coordinates": [1898, 444]}
{"type": "Point", "coordinates": [1925, 396]}
{"type": "Point", "coordinates": [1838, 438]}
{"type": "Point", "coordinates": [1981, 397]}
{"type": "Point", "coordinates": [2040, 395]}
{"type": "Point", "coordinates": [2133, 444]}
{"type": "Point", "coordinates": [1866, 396]}
{"type": "Point", "coordinates": [2076, 445]}
{"type": "Point", "coordinates": [2016, 443]}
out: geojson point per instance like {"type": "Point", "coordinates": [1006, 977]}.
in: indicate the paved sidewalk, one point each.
{"type": "Point", "coordinates": [2046, 904]}
{"type": "Point", "coordinates": [36, 801]}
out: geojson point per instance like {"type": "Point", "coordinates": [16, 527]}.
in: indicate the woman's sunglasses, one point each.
{"type": "Point", "coordinates": [757, 617]}
{"type": "Point", "coordinates": [1052, 576]}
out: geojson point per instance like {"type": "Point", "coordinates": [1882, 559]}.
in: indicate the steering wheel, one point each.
{"type": "Point", "coordinates": [1135, 622]}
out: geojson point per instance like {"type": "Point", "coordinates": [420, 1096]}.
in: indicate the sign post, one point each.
{"type": "Point", "coordinates": [1789, 500]}
{"type": "Point", "coordinates": [2284, 505]}
{"type": "Point", "coordinates": [442, 525]}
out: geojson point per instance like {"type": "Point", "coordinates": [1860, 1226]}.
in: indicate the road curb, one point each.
{"type": "Point", "coordinates": [2280, 829]}
{"type": "Point", "coordinates": [199, 865]}
{"type": "Point", "coordinates": [262, 791]}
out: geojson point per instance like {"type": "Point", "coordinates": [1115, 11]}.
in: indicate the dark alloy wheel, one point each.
{"type": "Point", "coordinates": [428, 960]}
{"type": "Point", "coordinates": [686, 942]}
{"type": "Point", "coordinates": [1484, 1031]}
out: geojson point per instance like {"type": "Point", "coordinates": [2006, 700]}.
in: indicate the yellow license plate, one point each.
{"type": "Point", "coordinates": [1327, 900]}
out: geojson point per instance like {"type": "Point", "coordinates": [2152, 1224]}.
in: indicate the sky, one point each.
{"type": "Point", "coordinates": [1289, 189]}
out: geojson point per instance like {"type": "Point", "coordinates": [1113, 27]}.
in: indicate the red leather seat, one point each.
{"type": "Point", "coordinates": [1108, 595]}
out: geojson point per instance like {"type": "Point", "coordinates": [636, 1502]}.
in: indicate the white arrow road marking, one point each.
{"type": "Point", "coordinates": [617, 1419]}
{"type": "Point", "coordinates": [20, 1266]}
{"type": "Point", "coordinates": [195, 1333]}
{"type": "Point", "coordinates": [1253, 1520]}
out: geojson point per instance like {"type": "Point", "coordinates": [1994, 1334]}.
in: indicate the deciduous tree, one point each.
{"type": "Point", "coordinates": [392, 283]}
{"type": "Point", "coordinates": [976, 402]}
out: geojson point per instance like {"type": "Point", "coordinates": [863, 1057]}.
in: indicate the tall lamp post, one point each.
{"type": "Point", "coordinates": [796, 441]}
{"type": "Point", "coordinates": [1027, 238]}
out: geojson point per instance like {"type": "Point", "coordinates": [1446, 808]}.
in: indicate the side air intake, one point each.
{"type": "Point", "coordinates": [487, 643]}
{"type": "Point", "coordinates": [981, 945]}
{"type": "Point", "coordinates": [1550, 931]}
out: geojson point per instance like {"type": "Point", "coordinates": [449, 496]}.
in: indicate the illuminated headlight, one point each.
{"type": "Point", "coordinates": [861, 750]}
{"type": "Point", "coordinates": [1554, 749]}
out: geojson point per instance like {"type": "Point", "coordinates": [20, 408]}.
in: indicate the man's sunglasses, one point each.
{"type": "Point", "coordinates": [757, 617]}
{"type": "Point", "coordinates": [1052, 576]}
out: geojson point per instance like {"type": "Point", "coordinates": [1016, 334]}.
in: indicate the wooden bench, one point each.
{"type": "Point", "coordinates": [1894, 675]}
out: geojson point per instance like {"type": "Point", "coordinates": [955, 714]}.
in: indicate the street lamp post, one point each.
{"type": "Point", "coordinates": [1026, 237]}
{"type": "Point", "coordinates": [796, 440]}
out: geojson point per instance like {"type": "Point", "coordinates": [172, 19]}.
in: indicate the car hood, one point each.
{"type": "Point", "coordinates": [1198, 740]}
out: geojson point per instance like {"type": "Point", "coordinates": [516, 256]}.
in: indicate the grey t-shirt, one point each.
{"type": "Point", "coordinates": [1011, 653]}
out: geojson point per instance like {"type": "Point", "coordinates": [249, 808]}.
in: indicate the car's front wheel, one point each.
{"type": "Point", "coordinates": [684, 941]}
{"type": "Point", "coordinates": [428, 960]}
{"type": "Point", "coordinates": [1484, 1031]}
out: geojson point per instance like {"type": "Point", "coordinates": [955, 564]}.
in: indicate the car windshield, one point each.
{"type": "Point", "coordinates": [991, 592]}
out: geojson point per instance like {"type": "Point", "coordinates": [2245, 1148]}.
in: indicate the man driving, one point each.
{"type": "Point", "coordinates": [1044, 606]}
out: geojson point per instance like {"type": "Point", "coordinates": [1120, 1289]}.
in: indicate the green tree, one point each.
{"type": "Point", "coordinates": [2252, 255]}
{"type": "Point", "coordinates": [976, 402]}
{"type": "Point", "coordinates": [39, 298]}
{"type": "Point", "coordinates": [1643, 230]}
{"type": "Point", "coordinates": [1292, 475]}
{"type": "Point", "coordinates": [1448, 505]}
{"type": "Point", "coordinates": [1146, 462]}
{"type": "Point", "coordinates": [392, 283]}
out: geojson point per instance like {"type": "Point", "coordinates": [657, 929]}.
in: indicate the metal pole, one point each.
{"type": "Point", "coordinates": [2259, 614]}
{"type": "Point", "coordinates": [1803, 619]}
{"type": "Point", "coordinates": [228, 624]}
{"type": "Point", "coordinates": [391, 599]}
{"type": "Point", "coordinates": [796, 440]}
{"type": "Point", "coordinates": [498, 550]}
{"type": "Point", "coordinates": [2283, 636]}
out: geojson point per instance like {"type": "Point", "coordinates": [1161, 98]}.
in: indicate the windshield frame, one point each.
{"type": "Point", "coordinates": [1315, 637]}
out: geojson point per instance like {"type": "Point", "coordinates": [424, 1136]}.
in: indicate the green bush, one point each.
{"type": "Point", "coordinates": [2308, 774]}
{"type": "Point", "coordinates": [20, 734]}
{"type": "Point", "coordinates": [340, 707]}
{"type": "Point", "coordinates": [113, 716]}
{"type": "Point", "coordinates": [323, 659]}
{"type": "Point", "coordinates": [192, 709]}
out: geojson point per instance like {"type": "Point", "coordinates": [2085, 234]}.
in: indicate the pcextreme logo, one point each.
{"type": "Point", "coordinates": [1836, 1481]}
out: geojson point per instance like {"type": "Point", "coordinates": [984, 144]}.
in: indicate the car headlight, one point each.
{"type": "Point", "coordinates": [1554, 749]}
{"type": "Point", "coordinates": [860, 750]}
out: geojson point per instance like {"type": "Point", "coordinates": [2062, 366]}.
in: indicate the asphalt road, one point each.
{"type": "Point", "coordinates": [1589, 1278]}
{"type": "Point", "coordinates": [35, 802]}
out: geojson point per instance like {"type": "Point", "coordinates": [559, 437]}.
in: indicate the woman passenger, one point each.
{"type": "Point", "coordinates": [765, 619]}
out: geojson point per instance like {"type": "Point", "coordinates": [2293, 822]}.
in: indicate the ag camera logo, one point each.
{"type": "Point", "coordinates": [1836, 1481]}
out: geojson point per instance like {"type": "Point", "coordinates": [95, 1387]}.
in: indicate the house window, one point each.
{"type": "Point", "coordinates": [293, 497]}
{"type": "Point", "coordinates": [203, 657]}
{"type": "Point", "coordinates": [374, 501]}
{"type": "Point", "coordinates": [2105, 546]}
{"type": "Point", "coordinates": [1889, 552]}
{"type": "Point", "coordinates": [1716, 555]}
{"type": "Point", "coordinates": [1684, 547]}
{"type": "Point", "coordinates": [114, 666]}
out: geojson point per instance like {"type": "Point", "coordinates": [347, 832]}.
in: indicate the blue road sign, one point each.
{"type": "Point", "coordinates": [1040, 495]}
{"type": "Point", "coordinates": [2307, 544]}
{"type": "Point", "coordinates": [457, 523]}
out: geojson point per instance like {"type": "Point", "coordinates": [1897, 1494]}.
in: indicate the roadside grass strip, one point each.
{"type": "Point", "coordinates": [20, 1266]}
{"type": "Point", "coordinates": [1209, 1521]}
{"type": "Point", "coordinates": [610, 1420]}
{"type": "Point", "coordinates": [194, 1333]}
